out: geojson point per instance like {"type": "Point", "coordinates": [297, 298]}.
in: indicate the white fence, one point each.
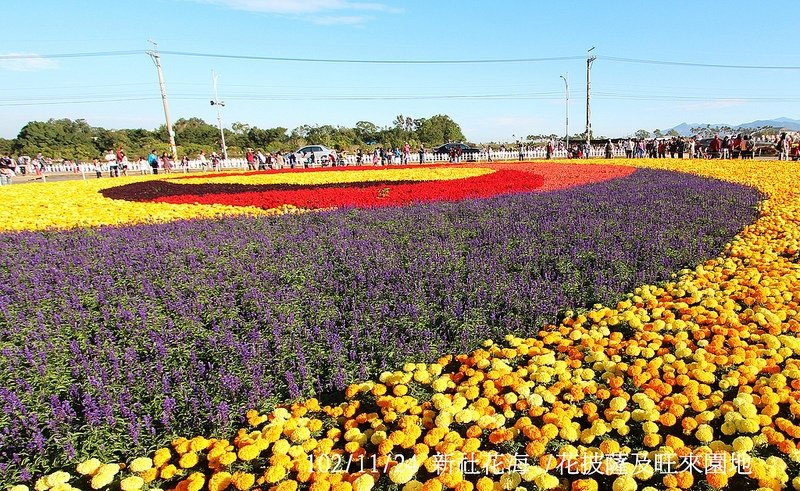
{"type": "Point", "coordinates": [142, 167]}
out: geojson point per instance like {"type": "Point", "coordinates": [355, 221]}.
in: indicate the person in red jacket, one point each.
{"type": "Point", "coordinates": [715, 147]}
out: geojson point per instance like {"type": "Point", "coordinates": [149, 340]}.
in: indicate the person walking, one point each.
{"type": "Point", "coordinates": [783, 147]}
{"type": "Point", "coordinates": [251, 159]}
{"type": "Point", "coordinates": [166, 162]}
{"type": "Point", "coordinates": [152, 159]}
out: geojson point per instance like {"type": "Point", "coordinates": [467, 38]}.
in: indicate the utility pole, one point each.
{"type": "Point", "coordinates": [589, 60]}
{"type": "Point", "coordinates": [157, 60]}
{"type": "Point", "coordinates": [566, 93]}
{"type": "Point", "coordinates": [218, 103]}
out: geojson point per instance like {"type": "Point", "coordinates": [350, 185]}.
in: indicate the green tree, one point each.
{"type": "Point", "coordinates": [673, 132]}
{"type": "Point", "coordinates": [271, 138]}
{"type": "Point", "coordinates": [439, 129]}
{"type": "Point", "coordinates": [657, 133]}
{"type": "Point", "coordinates": [196, 131]}
{"type": "Point", "coordinates": [366, 131]}
{"type": "Point", "coordinates": [5, 145]}
{"type": "Point", "coordinates": [642, 134]}
{"type": "Point", "coordinates": [60, 138]}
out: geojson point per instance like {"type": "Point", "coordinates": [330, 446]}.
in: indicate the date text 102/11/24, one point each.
{"type": "Point", "coordinates": [334, 462]}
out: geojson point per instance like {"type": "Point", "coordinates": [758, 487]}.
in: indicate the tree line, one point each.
{"type": "Point", "coordinates": [77, 140]}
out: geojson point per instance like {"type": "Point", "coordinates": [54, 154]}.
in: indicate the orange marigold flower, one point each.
{"type": "Point", "coordinates": [243, 480]}
{"type": "Point", "coordinates": [684, 479]}
{"type": "Point", "coordinates": [717, 480]}
{"type": "Point", "coordinates": [484, 484]}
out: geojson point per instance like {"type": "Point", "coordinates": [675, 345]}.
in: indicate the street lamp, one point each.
{"type": "Point", "coordinates": [219, 103]}
{"type": "Point", "coordinates": [566, 94]}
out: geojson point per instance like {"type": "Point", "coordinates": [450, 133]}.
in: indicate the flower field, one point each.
{"type": "Point", "coordinates": [534, 336]}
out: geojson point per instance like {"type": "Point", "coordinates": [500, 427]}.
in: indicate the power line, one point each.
{"type": "Point", "coordinates": [697, 65]}
{"type": "Point", "coordinates": [23, 56]}
{"type": "Point", "coordinates": [361, 61]}
{"type": "Point", "coordinates": [28, 56]}
{"type": "Point", "coordinates": [58, 103]}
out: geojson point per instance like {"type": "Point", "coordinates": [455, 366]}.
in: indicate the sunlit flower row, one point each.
{"type": "Point", "coordinates": [150, 199]}
{"type": "Point", "coordinates": [705, 365]}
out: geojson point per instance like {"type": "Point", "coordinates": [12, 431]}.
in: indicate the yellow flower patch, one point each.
{"type": "Point", "coordinates": [70, 204]}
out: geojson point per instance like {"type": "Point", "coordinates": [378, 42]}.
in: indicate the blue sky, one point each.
{"type": "Point", "coordinates": [491, 101]}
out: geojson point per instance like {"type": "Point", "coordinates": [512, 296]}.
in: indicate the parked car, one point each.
{"type": "Point", "coordinates": [316, 154]}
{"type": "Point", "coordinates": [467, 152]}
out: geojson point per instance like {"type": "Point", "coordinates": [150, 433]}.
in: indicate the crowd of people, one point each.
{"type": "Point", "coordinates": [116, 162]}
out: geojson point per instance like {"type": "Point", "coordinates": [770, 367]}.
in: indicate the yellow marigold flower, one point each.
{"type": "Point", "coordinates": [228, 458]}
{"type": "Point", "coordinates": [196, 481]}
{"type": "Point", "coordinates": [88, 467]}
{"type": "Point", "coordinates": [364, 482]}
{"type": "Point", "coordinates": [320, 486]}
{"type": "Point", "coordinates": [281, 447]}
{"type": "Point", "coordinates": [704, 433]}
{"type": "Point", "coordinates": [243, 480]}
{"type": "Point", "coordinates": [248, 452]}
{"type": "Point", "coordinates": [101, 480]}
{"type": "Point", "coordinates": [287, 486]}
{"type": "Point", "coordinates": [169, 471]}
{"type": "Point", "coordinates": [546, 481]}
{"type": "Point", "coordinates": [140, 464]}
{"type": "Point", "coordinates": [55, 478]}
{"type": "Point", "coordinates": [149, 475]}
{"type": "Point", "coordinates": [188, 460]}
{"type": "Point", "coordinates": [19, 487]}
{"type": "Point", "coordinates": [181, 445]}
{"type": "Point", "coordinates": [161, 457]}
{"type": "Point", "coordinates": [624, 483]}
{"type": "Point", "coordinates": [275, 473]}
{"type": "Point", "coordinates": [198, 444]}
{"type": "Point", "coordinates": [111, 469]}
{"type": "Point", "coordinates": [219, 481]}
{"type": "Point", "coordinates": [300, 434]}
{"type": "Point", "coordinates": [412, 486]}
{"type": "Point", "coordinates": [404, 471]}
{"type": "Point", "coordinates": [131, 483]}
{"type": "Point", "coordinates": [743, 444]}
{"type": "Point", "coordinates": [41, 484]}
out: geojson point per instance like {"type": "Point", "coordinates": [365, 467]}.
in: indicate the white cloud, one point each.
{"type": "Point", "coordinates": [25, 62]}
{"type": "Point", "coordinates": [299, 6]}
{"type": "Point", "coordinates": [330, 20]}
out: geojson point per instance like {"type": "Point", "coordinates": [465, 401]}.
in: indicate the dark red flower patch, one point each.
{"type": "Point", "coordinates": [507, 179]}
{"type": "Point", "coordinates": [360, 194]}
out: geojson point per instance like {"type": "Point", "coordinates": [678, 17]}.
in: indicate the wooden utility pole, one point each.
{"type": "Point", "coordinates": [157, 60]}
{"type": "Point", "coordinates": [589, 60]}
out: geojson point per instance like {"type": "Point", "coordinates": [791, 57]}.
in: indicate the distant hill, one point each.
{"type": "Point", "coordinates": [685, 129]}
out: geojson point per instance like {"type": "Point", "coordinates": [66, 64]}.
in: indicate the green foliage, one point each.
{"type": "Point", "coordinates": [642, 134]}
{"type": "Point", "coordinates": [64, 138]}
{"type": "Point", "coordinates": [438, 129]}
{"type": "Point", "coordinates": [5, 145]}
